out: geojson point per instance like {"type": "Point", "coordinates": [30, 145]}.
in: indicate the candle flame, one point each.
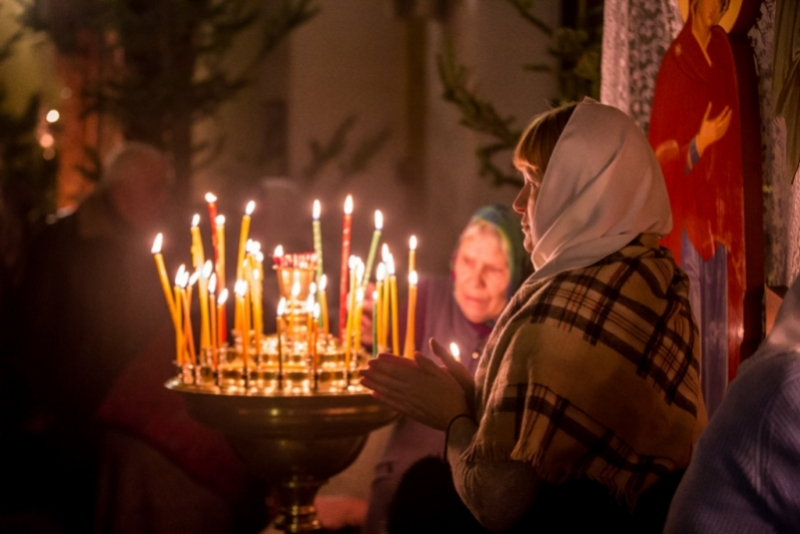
{"type": "Point", "coordinates": [310, 300]}
{"type": "Point", "coordinates": [256, 274]}
{"type": "Point", "coordinates": [223, 297]}
{"type": "Point", "coordinates": [360, 294]}
{"type": "Point", "coordinates": [295, 289]}
{"type": "Point", "coordinates": [454, 350]}
{"type": "Point", "coordinates": [278, 251]}
{"type": "Point", "coordinates": [251, 206]}
{"type": "Point", "coordinates": [211, 198]}
{"type": "Point", "coordinates": [195, 220]}
{"type": "Point", "coordinates": [381, 275]}
{"type": "Point", "coordinates": [374, 296]}
{"type": "Point", "coordinates": [193, 279]}
{"type": "Point", "coordinates": [323, 282]}
{"type": "Point", "coordinates": [248, 246]}
{"type": "Point", "coordinates": [157, 244]}
{"type": "Point", "coordinates": [240, 288]}
{"type": "Point", "coordinates": [360, 267]}
{"type": "Point", "coordinates": [317, 210]}
{"type": "Point", "coordinates": [378, 220]}
{"type": "Point", "coordinates": [256, 247]}
{"type": "Point", "coordinates": [316, 310]}
{"type": "Point", "coordinates": [282, 306]}
{"type": "Point", "coordinates": [220, 220]}
{"type": "Point", "coordinates": [259, 257]}
{"type": "Point", "coordinates": [179, 276]}
{"type": "Point", "coordinates": [207, 268]}
{"type": "Point", "coordinates": [348, 205]}
{"type": "Point", "coordinates": [390, 265]}
{"type": "Point", "coordinates": [385, 253]}
{"type": "Point", "coordinates": [412, 242]}
{"type": "Point", "coordinates": [352, 262]}
{"type": "Point", "coordinates": [212, 283]}
{"type": "Point", "coordinates": [312, 289]}
{"type": "Point", "coordinates": [413, 278]}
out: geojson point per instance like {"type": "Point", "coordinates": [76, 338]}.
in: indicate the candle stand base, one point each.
{"type": "Point", "coordinates": [294, 441]}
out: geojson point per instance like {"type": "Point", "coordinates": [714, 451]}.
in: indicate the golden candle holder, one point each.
{"type": "Point", "coordinates": [288, 403]}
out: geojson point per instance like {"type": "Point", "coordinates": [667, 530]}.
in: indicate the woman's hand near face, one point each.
{"type": "Point", "coordinates": [418, 388]}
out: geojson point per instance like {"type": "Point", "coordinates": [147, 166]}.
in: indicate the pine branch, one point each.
{"type": "Point", "coordinates": [523, 7]}
{"type": "Point", "coordinates": [323, 154]}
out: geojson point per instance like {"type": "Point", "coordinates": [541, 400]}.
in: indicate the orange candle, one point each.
{"type": "Point", "coordinates": [212, 286]}
{"type": "Point", "coordinates": [323, 304]}
{"type": "Point", "coordinates": [162, 274]}
{"type": "Point", "coordinates": [380, 308]}
{"type": "Point", "coordinates": [393, 306]}
{"type": "Point", "coordinates": [343, 279]}
{"type": "Point", "coordinates": [180, 347]}
{"type": "Point", "coordinates": [220, 223]}
{"type": "Point", "coordinates": [205, 329]}
{"type": "Point", "coordinates": [223, 298]}
{"type": "Point", "coordinates": [412, 308]}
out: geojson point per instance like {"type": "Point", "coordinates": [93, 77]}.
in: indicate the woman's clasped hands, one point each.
{"type": "Point", "coordinates": [420, 388]}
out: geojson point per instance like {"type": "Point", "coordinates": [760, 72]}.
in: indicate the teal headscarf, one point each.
{"type": "Point", "coordinates": [507, 223]}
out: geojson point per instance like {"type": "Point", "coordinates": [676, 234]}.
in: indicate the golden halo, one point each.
{"type": "Point", "coordinates": [728, 19]}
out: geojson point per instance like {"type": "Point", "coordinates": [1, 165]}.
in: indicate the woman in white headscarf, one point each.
{"type": "Point", "coordinates": [586, 403]}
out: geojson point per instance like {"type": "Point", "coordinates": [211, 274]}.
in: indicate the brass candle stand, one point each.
{"type": "Point", "coordinates": [289, 404]}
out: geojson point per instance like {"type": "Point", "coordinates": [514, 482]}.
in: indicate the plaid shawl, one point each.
{"type": "Point", "coordinates": [593, 373]}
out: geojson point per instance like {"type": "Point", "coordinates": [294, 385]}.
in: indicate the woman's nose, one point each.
{"type": "Point", "coordinates": [520, 204]}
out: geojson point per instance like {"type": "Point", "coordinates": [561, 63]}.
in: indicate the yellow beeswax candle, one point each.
{"type": "Point", "coordinates": [393, 298]}
{"type": "Point", "coordinates": [180, 347]}
{"type": "Point", "coordinates": [380, 308]}
{"type": "Point", "coordinates": [346, 228]}
{"type": "Point", "coordinates": [187, 318]}
{"type": "Point", "coordinates": [245, 230]}
{"type": "Point", "coordinates": [162, 275]}
{"type": "Point", "coordinates": [198, 258]}
{"type": "Point", "coordinates": [412, 309]}
{"type": "Point", "coordinates": [323, 304]}
{"type": "Point", "coordinates": [412, 253]}
{"type": "Point", "coordinates": [205, 332]}
{"type": "Point", "coordinates": [212, 286]}
{"type": "Point", "coordinates": [357, 324]}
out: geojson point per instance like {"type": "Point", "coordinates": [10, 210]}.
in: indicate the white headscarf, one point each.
{"type": "Point", "coordinates": [602, 187]}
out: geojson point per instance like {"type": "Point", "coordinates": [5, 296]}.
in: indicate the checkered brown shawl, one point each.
{"type": "Point", "coordinates": [594, 373]}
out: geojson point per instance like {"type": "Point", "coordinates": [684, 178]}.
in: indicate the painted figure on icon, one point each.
{"type": "Point", "coordinates": [696, 134]}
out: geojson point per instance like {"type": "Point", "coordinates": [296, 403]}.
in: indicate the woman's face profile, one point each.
{"type": "Point", "coordinates": [481, 277]}
{"type": "Point", "coordinates": [525, 203]}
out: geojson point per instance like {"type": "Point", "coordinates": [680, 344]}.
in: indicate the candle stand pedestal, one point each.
{"type": "Point", "coordinates": [297, 441]}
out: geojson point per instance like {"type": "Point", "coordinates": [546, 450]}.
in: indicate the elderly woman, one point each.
{"type": "Point", "coordinates": [487, 269]}
{"type": "Point", "coordinates": [586, 402]}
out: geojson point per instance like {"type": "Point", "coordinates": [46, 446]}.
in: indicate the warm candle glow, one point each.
{"type": "Point", "coordinates": [179, 278]}
{"type": "Point", "coordinates": [317, 210]}
{"type": "Point", "coordinates": [251, 206]}
{"type": "Point", "coordinates": [323, 282]}
{"type": "Point", "coordinates": [378, 220]}
{"type": "Point", "coordinates": [195, 219]}
{"type": "Point", "coordinates": [194, 277]}
{"type": "Point", "coordinates": [385, 253]}
{"type": "Point", "coordinates": [240, 288]}
{"type": "Point", "coordinates": [381, 275]}
{"type": "Point", "coordinates": [454, 350]}
{"type": "Point", "coordinates": [413, 278]}
{"type": "Point", "coordinates": [212, 283]}
{"type": "Point", "coordinates": [295, 289]}
{"type": "Point", "coordinates": [220, 220]}
{"type": "Point", "coordinates": [390, 265]}
{"type": "Point", "coordinates": [157, 244]}
{"type": "Point", "coordinates": [223, 297]}
{"type": "Point", "coordinates": [348, 205]}
{"type": "Point", "coordinates": [278, 251]}
{"type": "Point", "coordinates": [282, 307]}
{"type": "Point", "coordinates": [211, 197]}
{"type": "Point", "coordinates": [412, 242]}
{"type": "Point", "coordinates": [207, 269]}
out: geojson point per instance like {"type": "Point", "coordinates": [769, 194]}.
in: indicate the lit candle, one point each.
{"type": "Point", "coordinates": [223, 298]}
{"type": "Point", "coordinates": [380, 308]}
{"type": "Point", "coordinates": [357, 326]}
{"type": "Point", "coordinates": [162, 275]}
{"type": "Point", "coordinates": [212, 287]}
{"type": "Point", "coordinates": [375, 305]}
{"type": "Point", "coordinates": [317, 238]}
{"type": "Point", "coordinates": [292, 308]}
{"type": "Point", "coordinates": [455, 352]}
{"type": "Point", "coordinates": [211, 199]}
{"type": "Point", "coordinates": [323, 301]}
{"type": "Point", "coordinates": [198, 258]}
{"type": "Point", "coordinates": [393, 297]}
{"type": "Point", "coordinates": [373, 248]}
{"type": "Point", "coordinates": [280, 321]}
{"type": "Point", "coordinates": [180, 347]}
{"type": "Point", "coordinates": [245, 230]}
{"type": "Point", "coordinates": [240, 288]}
{"type": "Point", "coordinates": [412, 253]}
{"type": "Point", "coordinates": [220, 221]}
{"type": "Point", "coordinates": [258, 320]}
{"type": "Point", "coordinates": [351, 308]}
{"type": "Point", "coordinates": [187, 318]}
{"type": "Point", "coordinates": [205, 336]}
{"type": "Point", "coordinates": [412, 315]}
{"type": "Point", "coordinates": [346, 226]}
{"type": "Point", "coordinates": [314, 349]}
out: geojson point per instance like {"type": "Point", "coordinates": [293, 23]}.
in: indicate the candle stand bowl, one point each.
{"type": "Point", "coordinates": [297, 441]}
